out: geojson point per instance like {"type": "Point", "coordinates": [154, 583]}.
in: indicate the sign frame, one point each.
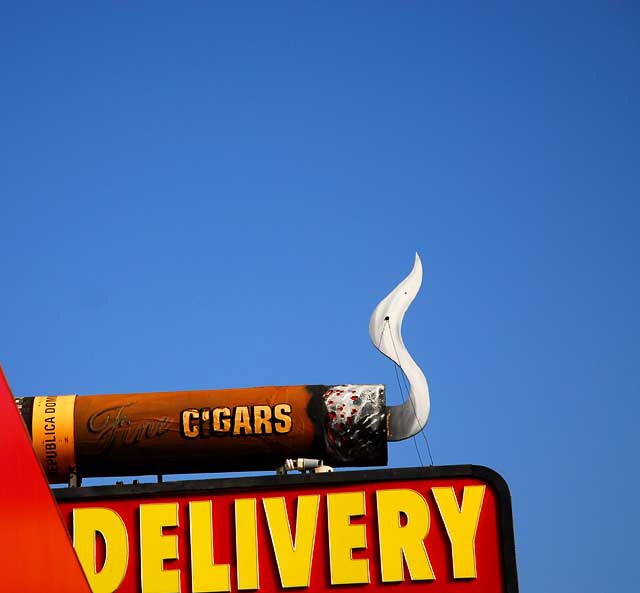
{"type": "Point", "coordinates": [253, 483]}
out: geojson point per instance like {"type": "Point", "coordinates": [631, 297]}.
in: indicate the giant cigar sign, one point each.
{"type": "Point", "coordinates": [234, 429]}
{"type": "Point", "coordinates": [203, 431]}
{"type": "Point", "coordinates": [440, 529]}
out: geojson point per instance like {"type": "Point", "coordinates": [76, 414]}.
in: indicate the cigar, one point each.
{"type": "Point", "coordinates": [206, 431]}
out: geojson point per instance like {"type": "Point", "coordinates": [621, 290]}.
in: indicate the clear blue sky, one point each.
{"type": "Point", "coordinates": [197, 196]}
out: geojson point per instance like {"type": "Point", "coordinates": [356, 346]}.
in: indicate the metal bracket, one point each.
{"type": "Point", "coordinates": [75, 480]}
{"type": "Point", "coordinates": [315, 466]}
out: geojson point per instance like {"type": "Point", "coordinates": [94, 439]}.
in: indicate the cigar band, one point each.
{"type": "Point", "coordinates": [53, 435]}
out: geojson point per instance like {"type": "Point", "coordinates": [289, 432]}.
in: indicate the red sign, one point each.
{"type": "Point", "coordinates": [35, 550]}
{"type": "Point", "coordinates": [439, 529]}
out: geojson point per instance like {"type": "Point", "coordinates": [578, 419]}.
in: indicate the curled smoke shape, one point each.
{"type": "Point", "coordinates": [385, 331]}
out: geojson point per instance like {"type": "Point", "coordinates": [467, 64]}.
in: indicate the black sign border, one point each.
{"type": "Point", "coordinates": [505, 514]}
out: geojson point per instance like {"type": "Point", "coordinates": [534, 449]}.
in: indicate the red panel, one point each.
{"type": "Point", "coordinates": [35, 549]}
{"type": "Point", "coordinates": [489, 558]}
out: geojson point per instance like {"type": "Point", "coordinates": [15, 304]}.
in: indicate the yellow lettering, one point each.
{"type": "Point", "coordinates": [87, 523]}
{"type": "Point", "coordinates": [189, 428]}
{"type": "Point", "coordinates": [242, 420]}
{"type": "Point", "coordinates": [155, 547]}
{"type": "Point", "coordinates": [344, 538]}
{"type": "Point", "coordinates": [293, 558]}
{"type": "Point", "coordinates": [281, 412]}
{"type": "Point", "coordinates": [461, 524]}
{"type": "Point", "coordinates": [247, 543]}
{"type": "Point", "coordinates": [205, 422]}
{"type": "Point", "coordinates": [206, 575]}
{"type": "Point", "coordinates": [262, 419]}
{"type": "Point", "coordinates": [221, 420]}
{"type": "Point", "coordinates": [399, 541]}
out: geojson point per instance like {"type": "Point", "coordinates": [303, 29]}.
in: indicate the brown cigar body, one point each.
{"type": "Point", "coordinates": [206, 431]}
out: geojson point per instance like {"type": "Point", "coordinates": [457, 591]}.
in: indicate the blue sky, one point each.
{"type": "Point", "coordinates": [200, 196]}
